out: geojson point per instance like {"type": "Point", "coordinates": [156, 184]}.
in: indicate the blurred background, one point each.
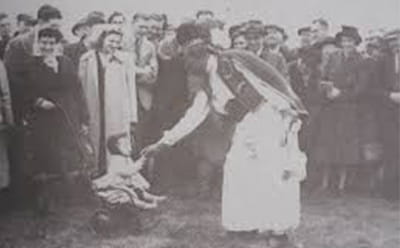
{"type": "Point", "coordinates": [291, 14]}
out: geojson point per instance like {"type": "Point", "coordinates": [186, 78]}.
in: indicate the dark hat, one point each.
{"type": "Point", "coordinates": [236, 30]}
{"type": "Point", "coordinates": [302, 30]}
{"type": "Point", "coordinates": [277, 28]}
{"type": "Point", "coordinates": [251, 28]}
{"type": "Point", "coordinates": [90, 21]}
{"type": "Point", "coordinates": [79, 24]}
{"type": "Point", "coordinates": [349, 31]}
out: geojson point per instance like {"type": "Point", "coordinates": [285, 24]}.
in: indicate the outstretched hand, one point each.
{"type": "Point", "coordinates": [152, 150]}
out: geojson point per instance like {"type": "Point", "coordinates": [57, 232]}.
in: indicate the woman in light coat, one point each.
{"type": "Point", "coordinates": [108, 78]}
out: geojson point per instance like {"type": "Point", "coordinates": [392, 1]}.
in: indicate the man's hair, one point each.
{"type": "Point", "coordinates": [50, 33]}
{"type": "Point", "coordinates": [3, 16]}
{"type": "Point", "coordinates": [204, 12]}
{"type": "Point", "coordinates": [47, 12]}
{"type": "Point", "coordinates": [115, 14]}
{"type": "Point", "coordinates": [321, 22]}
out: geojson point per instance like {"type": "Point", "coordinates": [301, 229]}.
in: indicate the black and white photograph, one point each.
{"type": "Point", "coordinates": [199, 124]}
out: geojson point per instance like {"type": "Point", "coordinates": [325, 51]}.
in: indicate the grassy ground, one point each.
{"type": "Point", "coordinates": [346, 222]}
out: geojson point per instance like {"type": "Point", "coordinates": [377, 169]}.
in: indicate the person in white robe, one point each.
{"type": "Point", "coordinates": [264, 166]}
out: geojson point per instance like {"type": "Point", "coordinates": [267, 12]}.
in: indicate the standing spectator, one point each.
{"type": "Point", "coordinates": [5, 33]}
{"type": "Point", "coordinates": [146, 75]}
{"type": "Point", "coordinates": [390, 115]}
{"type": "Point", "coordinates": [305, 36]}
{"type": "Point", "coordinates": [117, 18]}
{"type": "Point", "coordinates": [238, 38]}
{"type": "Point", "coordinates": [55, 113]}
{"type": "Point", "coordinates": [157, 26]}
{"type": "Point", "coordinates": [274, 38]}
{"type": "Point", "coordinates": [24, 47]}
{"type": "Point", "coordinates": [19, 52]}
{"type": "Point", "coordinates": [75, 50]}
{"type": "Point", "coordinates": [6, 120]}
{"type": "Point", "coordinates": [254, 37]}
{"type": "Point", "coordinates": [25, 24]}
{"type": "Point", "coordinates": [278, 43]}
{"type": "Point", "coordinates": [337, 143]}
{"type": "Point", "coordinates": [320, 30]}
{"type": "Point", "coordinates": [108, 78]}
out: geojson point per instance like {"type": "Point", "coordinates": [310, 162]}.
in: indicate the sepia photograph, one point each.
{"type": "Point", "coordinates": [200, 124]}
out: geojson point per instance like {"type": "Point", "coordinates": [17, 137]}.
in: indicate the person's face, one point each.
{"type": "Point", "coordinates": [5, 27]}
{"type": "Point", "coordinates": [52, 23]}
{"type": "Point", "coordinates": [111, 43]}
{"type": "Point", "coordinates": [155, 29]}
{"type": "Point", "coordinates": [348, 44]}
{"type": "Point", "coordinates": [239, 42]}
{"type": "Point", "coordinates": [47, 45]}
{"type": "Point", "coordinates": [305, 39]}
{"type": "Point", "coordinates": [327, 50]}
{"type": "Point", "coordinates": [141, 27]}
{"type": "Point", "coordinates": [273, 37]}
{"type": "Point", "coordinates": [254, 42]}
{"type": "Point", "coordinates": [118, 20]}
{"type": "Point", "coordinates": [318, 31]}
{"type": "Point", "coordinates": [124, 146]}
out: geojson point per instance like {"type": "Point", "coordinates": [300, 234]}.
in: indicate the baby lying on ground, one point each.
{"type": "Point", "coordinates": [123, 182]}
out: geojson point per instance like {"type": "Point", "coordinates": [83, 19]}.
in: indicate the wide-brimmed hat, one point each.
{"type": "Point", "coordinates": [349, 31]}
{"type": "Point", "coordinates": [277, 28]}
{"type": "Point", "coordinates": [90, 20]}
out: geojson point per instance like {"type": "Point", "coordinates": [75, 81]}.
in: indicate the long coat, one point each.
{"type": "Point", "coordinates": [337, 139]}
{"type": "Point", "coordinates": [53, 135]}
{"type": "Point", "coordinates": [120, 100]}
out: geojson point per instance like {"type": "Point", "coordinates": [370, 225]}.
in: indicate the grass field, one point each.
{"type": "Point", "coordinates": [327, 222]}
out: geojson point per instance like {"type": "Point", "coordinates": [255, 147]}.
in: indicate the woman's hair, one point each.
{"type": "Point", "coordinates": [113, 15]}
{"type": "Point", "coordinates": [100, 32]}
{"type": "Point", "coordinates": [50, 33]}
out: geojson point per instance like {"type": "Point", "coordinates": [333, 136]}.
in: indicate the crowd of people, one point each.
{"type": "Point", "coordinates": [130, 86]}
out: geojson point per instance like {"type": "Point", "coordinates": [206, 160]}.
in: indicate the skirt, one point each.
{"type": "Point", "coordinates": [254, 194]}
